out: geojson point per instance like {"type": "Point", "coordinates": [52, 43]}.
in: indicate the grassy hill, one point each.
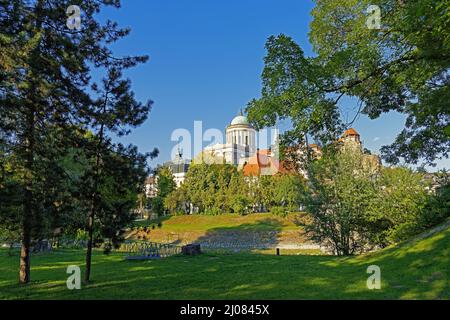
{"type": "Point", "coordinates": [417, 269]}
{"type": "Point", "coordinates": [264, 227]}
{"type": "Point", "coordinates": [257, 222]}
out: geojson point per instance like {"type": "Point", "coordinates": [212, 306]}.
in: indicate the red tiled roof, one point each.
{"type": "Point", "coordinates": [351, 132]}
{"type": "Point", "coordinates": [263, 161]}
{"type": "Point", "coordinates": [251, 170]}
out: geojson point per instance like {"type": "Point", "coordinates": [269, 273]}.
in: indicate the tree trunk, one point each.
{"type": "Point", "coordinates": [24, 273]}
{"type": "Point", "coordinates": [90, 243]}
{"type": "Point", "coordinates": [91, 219]}
{"type": "Point", "coordinates": [29, 137]}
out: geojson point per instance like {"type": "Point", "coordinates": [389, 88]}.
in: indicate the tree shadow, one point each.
{"type": "Point", "coordinates": [263, 234]}
{"type": "Point", "coordinates": [152, 222]}
{"type": "Point", "coordinates": [411, 271]}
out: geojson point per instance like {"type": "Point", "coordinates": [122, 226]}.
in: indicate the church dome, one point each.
{"type": "Point", "coordinates": [240, 120]}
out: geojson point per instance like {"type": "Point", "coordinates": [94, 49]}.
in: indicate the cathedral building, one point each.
{"type": "Point", "coordinates": [240, 149]}
{"type": "Point", "coordinates": [240, 142]}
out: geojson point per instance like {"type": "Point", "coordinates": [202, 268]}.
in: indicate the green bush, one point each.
{"type": "Point", "coordinates": [213, 211]}
{"type": "Point", "coordinates": [158, 205]}
{"type": "Point", "coordinates": [279, 211]}
{"type": "Point", "coordinates": [437, 208]}
{"type": "Point", "coordinates": [240, 204]}
{"type": "Point", "coordinates": [81, 235]}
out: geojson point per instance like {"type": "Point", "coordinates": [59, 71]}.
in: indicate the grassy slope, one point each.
{"type": "Point", "coordinates": [223, 228]}
{"type": "Point", "coordinates": [415, 270]}
{"type": "Point", "coordinates": [254, 222]}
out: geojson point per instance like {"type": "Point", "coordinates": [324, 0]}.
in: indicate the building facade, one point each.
{"type": "Point", "coordinates": [240, 142]}
{"type": "Point", "coordinates": [179, 168]}
{"type": "Point", "coordinates": [240, 149]}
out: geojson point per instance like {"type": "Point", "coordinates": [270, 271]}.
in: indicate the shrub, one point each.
{"type": "Point", "coordinates": [240, 204]}
{"type": "Point", "coordinates": [400, 200]}
{"type": "Point", "coordinates": [158, 205]}
{"type": "Point", "coordinates": [81, 235]}
{"type": "Point", "coordinates": [340, 202]}
{"type": "Point", "coordinates": [214, 211]}
{"type": "Point", "coordinates": [279, 211]}
{"type": "Point", "coordinates": [437, 208]}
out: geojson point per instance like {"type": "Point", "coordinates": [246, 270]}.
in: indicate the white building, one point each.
{"type": "Point", "coordinates": [179, 168]}
{"type": "Point", "coordinates": [240, 142]}
{"type": "Point", "coordinates": [151, 189]}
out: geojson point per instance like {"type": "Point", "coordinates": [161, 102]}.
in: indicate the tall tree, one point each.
{"type": "Point", "coordinates": [124, 171]}
{"type": "Point", "coordinates": [165, 186]}
{"type": "Point", "coordinates": [342, 189]}
{"type": "Point", "coordinates": [292, 89]}
{"type": "Point", "coordinates": [114, 111]}
{"type": "Point", "coordinates": [50, 87]}
{"type": "Point", "coordinates": [401, 66]}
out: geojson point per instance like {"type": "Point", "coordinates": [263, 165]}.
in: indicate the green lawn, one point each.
{"type": "Point", "coordinates": [416, 270]}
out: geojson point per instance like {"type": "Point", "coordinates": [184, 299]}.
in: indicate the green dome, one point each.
{"type": "Point", "coordinates": [240, 120]}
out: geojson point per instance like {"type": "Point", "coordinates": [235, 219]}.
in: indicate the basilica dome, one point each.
{"type": "Point", "coordinates": [239, 120]}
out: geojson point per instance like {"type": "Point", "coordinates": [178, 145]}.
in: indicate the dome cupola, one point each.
{"type": "Point", "coordinates": [240, 119]}
{"type": "Point", "coordinates": [240, 132]}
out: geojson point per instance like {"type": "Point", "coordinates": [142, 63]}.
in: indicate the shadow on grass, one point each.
{"type": "Point", "coordinates": [257, 235]}
{"type": "Point", "coordinates": [412, 271]}
{"type": "Point", "coordinates": [150, 223]}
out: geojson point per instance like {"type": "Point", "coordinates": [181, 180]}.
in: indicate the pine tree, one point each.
{"type": "Point", "coordinates": [50, 87]}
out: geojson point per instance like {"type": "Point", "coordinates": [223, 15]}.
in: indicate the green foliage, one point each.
{"type": "Point", "coordinates": [238, 194]}
{"type": "Point", "coordinates": [340, 202]}
{"type": "Point", "coordinates": [355, 208]}
{"type": "Point", "coordinates": [240, 204]}
{"type": "Point", "coordinates": [166, 186]}
{"type": "Point", "coordinates": [401, 67]}
{"type": "Point", "coordinates": [221, 188]}
{"type": "Point", "coordinates": [279, 211]}
{"type": "Point", "coordinates": [176, 201]}
{"type": "Point", "coordinates": [166, 183]}
{"type": "Point", "coordinates": [81, 235]}
{"type": "Point", "coordinates": [158, 205]}
{"type": "Point", "coordinates": [288, 191]}
{"type": "Point", "coordinates": [49, 100]}
{"type": "Point", "coordinates": [11, 202]}
{"type": "Point", "coordinates": [400, 200]}
{"type": "Point", "coordinates": [437, 208]}
{"type": "Point", "coordinates": [291, 89]}
{"type": "Point", "coordinates": [214, 211]}
{"type": "Point", "coordinates": [125, 173]}
{"type": "Point", "coordinates": [207, 187]}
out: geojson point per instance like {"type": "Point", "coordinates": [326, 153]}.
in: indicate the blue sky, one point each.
{"type": "Point", "coordinates": [206, 58]}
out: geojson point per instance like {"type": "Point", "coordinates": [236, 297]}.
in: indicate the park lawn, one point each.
{"type": "Point", "coordinates": [203, 223]}
{"type": "Point", "coordinates": [413, 270]}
